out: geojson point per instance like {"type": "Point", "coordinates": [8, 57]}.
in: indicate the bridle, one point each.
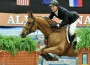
{"type": "Point", "coordinates": [32, 24]}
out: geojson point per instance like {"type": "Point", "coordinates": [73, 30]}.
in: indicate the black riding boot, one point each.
{"type": "Point", "coordinates": [72, 38]}
{"type": "Point", "coordinates": [75, 43]}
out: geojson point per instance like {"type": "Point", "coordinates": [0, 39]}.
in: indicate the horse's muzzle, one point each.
{"type": "Point", "coordinates": [22, 35]}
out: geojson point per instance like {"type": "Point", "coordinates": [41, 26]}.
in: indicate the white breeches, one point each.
{"type": "Point", "coordinates": [73, 28]}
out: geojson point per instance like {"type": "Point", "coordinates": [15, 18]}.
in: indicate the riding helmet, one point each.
{"type": "Point", "coordinates": [54, 3]}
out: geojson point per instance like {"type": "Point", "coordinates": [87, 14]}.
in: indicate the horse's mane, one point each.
{"type": "Point", "coordinates": [48, 19]}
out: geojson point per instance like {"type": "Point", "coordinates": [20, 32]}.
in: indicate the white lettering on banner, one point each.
{"type": "Point", "coordinates": [87, 20]}
{"type": "Point", "coordinates": [18, 21]}
{"type": "Point", "coordinates": [26, 18]}
{"type": "Point", "coordinates": [80, 20]}
{"type": "Point", "coordinates": [11, 20]}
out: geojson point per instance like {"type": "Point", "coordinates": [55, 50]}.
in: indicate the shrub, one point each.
{"type": "Point", "coordinates": [15, 44]}
{"type": "Point", "coordinates": [84, 35]}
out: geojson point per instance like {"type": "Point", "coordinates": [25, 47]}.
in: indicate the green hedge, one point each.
{"type": "Point", "coordinates": [14, 44]}
{"type": "Point", "coordinates": [84, 34]}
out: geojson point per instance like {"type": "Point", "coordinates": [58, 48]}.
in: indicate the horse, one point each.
{"type": "Point", "coordinates": [56, 41]}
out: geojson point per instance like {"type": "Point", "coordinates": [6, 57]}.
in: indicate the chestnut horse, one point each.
{"type": "Point", "coordinates": [56, 40]}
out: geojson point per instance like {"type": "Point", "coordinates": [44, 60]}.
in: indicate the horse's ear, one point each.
{"type": "Point", "coordinates": [30, 14]}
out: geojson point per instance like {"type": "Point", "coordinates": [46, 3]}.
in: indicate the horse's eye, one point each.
{"type": "Point", "coordinates": [29, 22]}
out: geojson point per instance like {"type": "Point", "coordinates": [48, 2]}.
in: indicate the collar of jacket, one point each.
{"type": "Point", "coordinates": [56, 12]}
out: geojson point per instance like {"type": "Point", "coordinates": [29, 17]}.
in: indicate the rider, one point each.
{"type": "Point", "coordinates": [67, 17]}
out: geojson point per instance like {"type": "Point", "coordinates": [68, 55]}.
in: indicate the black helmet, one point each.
{"type": "Point", "coordinates": [54, 2]}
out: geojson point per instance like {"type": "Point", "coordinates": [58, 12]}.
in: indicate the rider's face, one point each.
{"type": "Point", "coordinates": [54, 8]}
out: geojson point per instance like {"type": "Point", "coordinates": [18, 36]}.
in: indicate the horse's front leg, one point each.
{"type": "Point", "coordinates": [46, 56]}
{"type": "Point", "coordinates": [41, 50]}
{"type": "Point", "coordinates": [55, 50]}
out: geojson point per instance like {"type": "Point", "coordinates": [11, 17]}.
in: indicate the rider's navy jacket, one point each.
{"type": "Point", "coordinates": [66, 16]}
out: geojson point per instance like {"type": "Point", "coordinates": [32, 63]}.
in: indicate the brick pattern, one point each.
{"type": "Point", "coordinates": [21, 58]}
{"type": "Point", "coordinates": [80, 53]}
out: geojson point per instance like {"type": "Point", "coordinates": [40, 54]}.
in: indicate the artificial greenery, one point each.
{"type": "Point", "coordinates": [14, 44]}
{"type": "Point", "coordinates": [84, 35]}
